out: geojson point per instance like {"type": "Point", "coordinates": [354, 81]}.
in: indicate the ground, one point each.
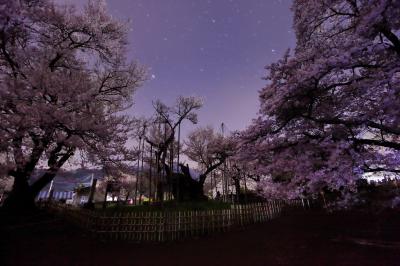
{"type": "Point", "coordinates": [297, 238]}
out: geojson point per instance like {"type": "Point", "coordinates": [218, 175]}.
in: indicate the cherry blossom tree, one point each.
{"type": "Point", "coordinates": [209, 150]}
{"type": "Point", "coordinates": [330, 111]}
{"type": "Point", "coordinates": [161, 134]}
{"type": "Point", "coordinates": [64, 86]}
{"type": "Point", "coordinates": [243, 178]}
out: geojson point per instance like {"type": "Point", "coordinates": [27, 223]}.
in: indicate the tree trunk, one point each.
{"type": "Point", "coordinates": [21, 197]}
{"type": "Point", "coordinates": [127, 197]}
{"type": "Point", "coordinates": [236, 181]}
{"type": "Point", "coordinates": [90, 204]}
{"type": "Point", "coordinates": [42, 182]}
{"type": "Point", "coordinates": [160, 192]}
{"type": "Point", "coordinates": [184, 187]}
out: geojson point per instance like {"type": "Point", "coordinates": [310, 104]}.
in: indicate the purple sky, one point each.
{"type": "Point", "coordinates": [215, 49]}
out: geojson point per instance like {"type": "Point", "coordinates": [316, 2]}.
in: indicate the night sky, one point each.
{"type": "Point", "coordinates": [215, 49]}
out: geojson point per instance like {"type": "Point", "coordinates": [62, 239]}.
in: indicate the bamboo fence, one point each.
{"type": "Point", "coordinates": [161, 226]}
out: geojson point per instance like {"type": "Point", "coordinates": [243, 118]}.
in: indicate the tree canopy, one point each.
{"type": "Point", "coordinates": [64, 85]}
{"type": "Point", "coordinates": [329, 113]}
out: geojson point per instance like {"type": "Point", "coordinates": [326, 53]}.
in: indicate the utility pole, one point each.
{"type": "Point", "coordinates": [164, 173]}
{"type": "Point", "coordinates": [224, 180]}
{"type": "Point", "coordinates": [137, 171]}
{"type": "Point", "coordinates": [150, 171]}
{"type": "Point", "coordinates": [142, 172]}
{"type": "Point", "coordinates": [245, 188]}
{"type": "Point", "coordinates": [158, 175]}
{"type": "Point", "coordinates": [215, 182]}
{"type": "Point", "coordinates": [171, 167]}
{"type": "Point", "coordinates": [177, 164]}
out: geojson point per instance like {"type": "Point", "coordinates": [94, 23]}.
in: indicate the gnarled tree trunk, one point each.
{"type": "Point", "coordinates": [189, 189]}
{"type": "Point", "coordinates": [21, 197]}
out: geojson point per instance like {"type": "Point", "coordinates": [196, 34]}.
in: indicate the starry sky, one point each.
{"type": "Point", "coordinates": [214, 49]}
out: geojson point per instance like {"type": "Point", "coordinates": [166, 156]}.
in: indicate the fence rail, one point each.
{"type": "Point", "coordinates": [160, 226]}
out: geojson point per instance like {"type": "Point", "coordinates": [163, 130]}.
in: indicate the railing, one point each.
{"type": "Point", "coordinates": [160, 226]}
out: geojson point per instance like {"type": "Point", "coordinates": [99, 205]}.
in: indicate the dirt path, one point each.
{"type": "Point", "coordinates": [298, 238]}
